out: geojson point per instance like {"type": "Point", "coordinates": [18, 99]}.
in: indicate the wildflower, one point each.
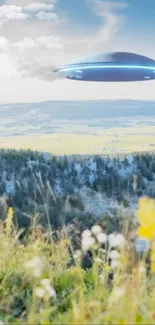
{"type": "Point", "coordinates": [142, 269]}
{"type": "Point", "coordinates": [87, 243]}
{"type": "Point", "coordinates": [1, 323]}
{"type": "Point", "coordinates": [35, 266]}
{"type": "Point", "coordinates": [86, 233]}
{"type": "Point", "coordinates": [115, 264]}
{"type": "Point", "coordinates": [45, 282]}
{"type": "Point", "coordinates": [153, 258]}
{"type": "Point", "coordinates": [51, 291]}
{"type": "Point", "coordinates": [117, 294]}
{"type": "Point", "coordinates": [146, 216]}
{"type": "Point", "coordinates": [39, 292]}
{"type": "Point", "coordinates": [101, 238]}
{"type": "Point", "coordinates": [99, 260]}
{"type": "Point", "coordinates": [114, 255]}
{"type": "Point", "coordinates": [116, 240]}
{"type": "Point", "coordinates": [48, 288]}
{"type": "Point", "coordinates": [77, 255]}
{"type": "Point", "coordinates": [141, 245]}
{"type": "Point", "coordinates": [96, 229]}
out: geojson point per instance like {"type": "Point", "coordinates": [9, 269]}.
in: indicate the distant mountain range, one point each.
{"type": "Point", "coordinates": [73, 116]}
{"type": "Point", "coordinates": [79, 109]}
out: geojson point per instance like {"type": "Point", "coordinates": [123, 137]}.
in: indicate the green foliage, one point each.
{"type": "Point", "coordinates": [81, 297]}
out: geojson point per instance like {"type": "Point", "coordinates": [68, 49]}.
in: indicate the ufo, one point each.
{"type": "Point", "coordinates": [110, 67]}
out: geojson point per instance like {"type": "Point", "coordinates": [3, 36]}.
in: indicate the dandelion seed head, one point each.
{"type": "Point", "coordinates": [115, 264]}
{"type": "Point", "coordinates": [51, 291]}
{"type": "Point", "coordinates": [39, 292]}
{"type": "Point", "coordinates": [86, 233]}
{"type": "Point", "coordinates": [101, 238]}
{"type": "Point", "coordinates": [117, 294]}
{"type": "Point", "coordinates": [114, 255]}
{"type": "Point", "coordinates": [116, 240]}
{"type": "Point", "coordinates": [35, 266]}
{"type": "Point", "coordinates": [87, 243]}
{"type": "Point", "coordinates": [45, 282]}
{"type": "Point", "coordinates": [96, 229]}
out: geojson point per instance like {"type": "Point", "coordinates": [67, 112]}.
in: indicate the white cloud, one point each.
{"type": "Point", "coordinates": [29, 2]}
{"type": "Point", "coordinates": [36, 10]}
{"type": "Point", "coordinates": [45, 42]}
{"type": "Point", "coordinates": [12, 12]}
{"type": "Point", "coordinates": [35, 7]}
{"type": "Point", "coordinates": [50, 42]}
{"type": "Point", "coordinates": [35, 58]}
{"type": "Point", "coordinates": [43, 15]}
{"type": "Point", "coordinates": [26, 43]}
{"type": "Point", "coordinates": [4, 44]}
{"type": "Point", "coordinates": [111, 20]}
{"type": "Point", "coordinates": [8, 66]}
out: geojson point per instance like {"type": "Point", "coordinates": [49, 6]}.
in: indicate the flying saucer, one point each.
{"type": "Point", "coordinates": [110, 67]}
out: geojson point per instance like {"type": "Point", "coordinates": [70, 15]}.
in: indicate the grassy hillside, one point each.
{"type": "Point", "coordinates": [46, 281]}
{"type": "Point", "coordinates": [75, 245]}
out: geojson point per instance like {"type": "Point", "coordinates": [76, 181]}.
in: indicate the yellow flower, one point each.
{"type": "Point", "coordinates": [9, 220]}
{"type": "Point", "coordinates": [153, 258]}
{"type": "Point", "coordinates": [146, 232]}
{"type": "Point", "coordinates": [146, 216]}
{"type": "Point", "coordinates": [153, 267]}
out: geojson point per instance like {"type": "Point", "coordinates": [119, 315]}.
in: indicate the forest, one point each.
{"type": "Point", "coordinates": [58, 190]}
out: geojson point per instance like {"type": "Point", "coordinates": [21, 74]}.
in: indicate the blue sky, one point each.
{"type": "Point", "coordinates": [38, 35]}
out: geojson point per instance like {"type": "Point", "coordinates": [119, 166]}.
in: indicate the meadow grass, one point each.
{"type": "Point", "coordinates": [135, 139]}
{"type": "Point", "coordinates": [40, 285]}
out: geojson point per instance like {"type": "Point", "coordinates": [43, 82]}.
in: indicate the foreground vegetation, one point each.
{"type": "Point", "coordinates": [59, 262]}
{"type": "Point", "coordinates": [44, 279]}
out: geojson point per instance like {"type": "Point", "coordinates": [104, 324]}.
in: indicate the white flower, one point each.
{"type": "Point", "coordinates": [98, 260]}
{"type": "Point", "coordinates": [142, 269]}
{"type": "Point", "coordinates": [116, 240]}
{"type": "Point", "coordinates": [45, 282]}
{"type": "Point", "coordinates": [117, 294]}
{"type": "Point", "coordinates": [39, 292]}
{"type": "Point", "coordinates": [77, 255]}
{"type": "Point", "coordinates": [115, 264]}
{"type": "Point", "coordinates": [101, 238]}
{"type": "Point", "coordinates": [87, 243]}
{"type": "Point", "coordinates": [1, 323]}
{"type": "Point", "coordinates": [35, 266]}
{"type": "Point", "coordinates": [51, 291]}
{"type": "Point", "coordinates": [48, 288]}
{"type": "Point", "coordinates": [114, 255]}
{"type": "Point", "coordinates": [86, 233]}
{"type": "Point", "coordinates": [102, 251]}
{"type": "Point", "coordinates": [96, 229]}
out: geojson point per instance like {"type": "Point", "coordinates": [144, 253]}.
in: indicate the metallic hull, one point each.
{"type": "Point", "coordinates": [110, 74]}
{"type": "Point", "coordinates": [117, 67]}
